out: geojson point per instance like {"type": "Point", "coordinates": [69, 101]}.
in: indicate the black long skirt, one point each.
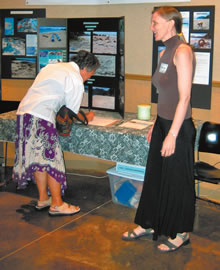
{"type": "Point", "coordinates": [167, 202]}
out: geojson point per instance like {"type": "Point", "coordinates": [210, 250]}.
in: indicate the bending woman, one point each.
{"type": "Point", "coordinates": [38, 151]}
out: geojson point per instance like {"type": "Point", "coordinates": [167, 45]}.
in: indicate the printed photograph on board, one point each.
{"type": "Point", "coordinates": [52, 36]}
{"type": "Point", "coordinates": [79, 41]}
{"type": "Point", "coordinates": [201, 20]}
{"type": "Point", "coordinates": [23, 68]}
{"type": "Point", "coordinates": [107, 66]}
{"type": "Point", "coordinates": [105, 42]}
{"type": "Point", "coordinates": [200, 40]}
{"type": "Point", "coordinates": [13, 46]}
{"type": "Point", "coordinates": [103, 97]}
{"type": "Point", "coordinates": [27, 25]}
{"type": "Point", "coordinates": [9, 26]}
{"type": "Point", "coordinates": [186, 24]}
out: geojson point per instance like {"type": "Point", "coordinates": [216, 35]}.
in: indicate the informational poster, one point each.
{"type": "Point", "coordinates": [202, 68]}
{"type": "Point", "coordinates": [31, 45]}
{"type": "Point", "coordinates": [51, 56]}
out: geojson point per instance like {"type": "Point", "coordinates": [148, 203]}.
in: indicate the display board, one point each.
{"type": "Point", "coordinates": [19, 43]}
{"type": "Point", "coordinates": [18, 47]}
{"type": "Point", "coordinates": [29, 43]}
{"type": "Point", "coordinates": [60, 39]}
{"type": "Point", "coordinates": [105, 38]}
{"type": "Point", "coordinates": [198, 30]}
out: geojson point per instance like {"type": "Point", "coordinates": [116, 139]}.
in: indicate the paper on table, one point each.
{"type": "Point", "coordinates": [103, 121]}
{"type": "Point", "coordinates": [142, 122]}
{"type": "Point", "coordinates": [136, 124]}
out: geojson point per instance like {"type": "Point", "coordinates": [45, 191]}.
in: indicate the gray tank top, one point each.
{"type": "Point", "coordinates": [165, 80]}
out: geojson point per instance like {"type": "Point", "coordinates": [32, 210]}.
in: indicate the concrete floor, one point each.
{"type": "Point", "coordinates": [32, 240]}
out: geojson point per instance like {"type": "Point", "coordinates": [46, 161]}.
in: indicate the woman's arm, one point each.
{"type": "Point", "coordinates": [149, 134]}
{"type": "Point", "coordinates": [183, 60]}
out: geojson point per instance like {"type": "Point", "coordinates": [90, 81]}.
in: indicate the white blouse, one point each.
{"type": "Point", "coordinates": [55, 85]}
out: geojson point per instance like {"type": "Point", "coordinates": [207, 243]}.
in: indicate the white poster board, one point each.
{"type": "Point", "coordinates": [96, 2]}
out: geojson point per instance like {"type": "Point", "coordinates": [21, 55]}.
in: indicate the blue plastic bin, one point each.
{"type": "Point", "coordinates": [126, 186]}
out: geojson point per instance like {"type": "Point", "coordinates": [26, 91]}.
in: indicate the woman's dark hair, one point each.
{"type": "Point", "coordinates": [170, 13]}
{"type": "Point", "coordinates": [86, 60]}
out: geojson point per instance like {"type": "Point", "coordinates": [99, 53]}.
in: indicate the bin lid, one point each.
{"type": "Point", "coordinates": [129, 175]}
{"type": "Point", "coordinates": [128, 168]}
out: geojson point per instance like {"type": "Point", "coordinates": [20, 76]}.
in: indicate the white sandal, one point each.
{"type": "Point", "coordinates": [64, 210]}
{"type": "Point", "coordinates": [43, 204]}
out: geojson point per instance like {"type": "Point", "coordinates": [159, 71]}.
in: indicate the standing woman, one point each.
{"type": "Point", "coordinates": [167, 203]}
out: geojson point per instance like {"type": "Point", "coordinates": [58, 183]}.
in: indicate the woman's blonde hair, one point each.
{"type": "Point", "coordinates": [170, 13]}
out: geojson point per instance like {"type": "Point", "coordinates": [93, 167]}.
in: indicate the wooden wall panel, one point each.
{"type": "Point", "coordinates": [14, 90]}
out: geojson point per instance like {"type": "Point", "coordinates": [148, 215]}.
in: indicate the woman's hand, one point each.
{"type": "Point", "coordinates": [169, 145]}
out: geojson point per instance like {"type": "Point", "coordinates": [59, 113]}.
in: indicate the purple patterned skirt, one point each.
{"type": "Point", "coordinates": [37, 148]}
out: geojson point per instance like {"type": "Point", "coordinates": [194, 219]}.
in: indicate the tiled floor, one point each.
{"type": "Point", "coordinates": [91, 240]}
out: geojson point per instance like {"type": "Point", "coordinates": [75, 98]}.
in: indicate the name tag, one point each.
{"type": "Point", "coordinates": [163, 68]}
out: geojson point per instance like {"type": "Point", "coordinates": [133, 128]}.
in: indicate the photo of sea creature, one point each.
{"type": "Point", "coordinates": [200, 41]}
{"type": "Point", "coordinates": [201, 20]}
